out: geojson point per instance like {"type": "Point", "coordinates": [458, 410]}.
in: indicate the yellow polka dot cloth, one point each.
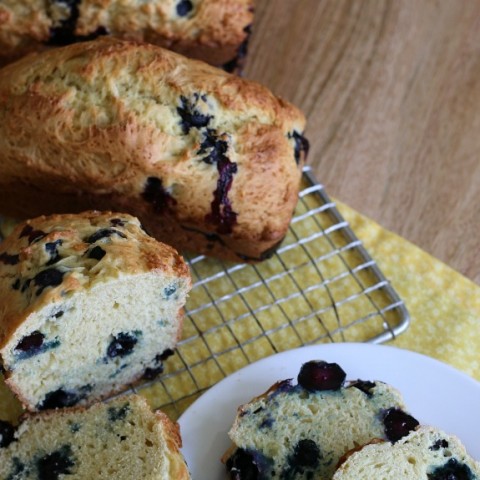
{"type": "Point", "coordinates": [252, 312]}
{"type": "Point", "coordinates": [444, 306]}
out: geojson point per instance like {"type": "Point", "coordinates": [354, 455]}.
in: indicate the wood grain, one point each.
{"type": "Point", "coordinates": [391, 90]}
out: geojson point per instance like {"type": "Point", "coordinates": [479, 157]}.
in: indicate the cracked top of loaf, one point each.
{"type": "Point", "coordinates": [45, 259]}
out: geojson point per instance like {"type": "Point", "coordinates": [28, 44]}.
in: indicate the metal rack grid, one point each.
{"type": "Point", "coordinates": [320, 286]}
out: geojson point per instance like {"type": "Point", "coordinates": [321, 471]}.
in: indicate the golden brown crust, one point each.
{"type": "Point", "coordinates": [23, 256]}
{"type": "Point", "coordinates": [212, 31]}
{"type": "Point", "coordinates": [100, 119]}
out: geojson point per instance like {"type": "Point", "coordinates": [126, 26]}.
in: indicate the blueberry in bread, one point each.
{"type": "Point", "coordinates": [425, 454]}
{"type": "Point", "coordinates": [122, 439]}
{"type": "Point", "coordinates": [90, 303]}
{"type": "Point", "coordinates": [215, 31]}
{"type": "Point", "coordinates": [301, 431]}
{"type": "Point", "coordinates": [207, 161]}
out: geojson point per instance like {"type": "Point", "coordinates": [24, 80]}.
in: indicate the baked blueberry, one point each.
{"type": "Point", "coordinates": [184, 7]}
{"type": "Point", "coordinates": [319, 375]}
{"type": "Point", "coordinates": [16, 284]}
{"type": "Point", "coordinates": [97, 253]}
{"type": "Point", "coordinates": [122, 345]}
{"type": "Point", "coordinates": [64, 33]}
{"type": "Point", "coordinates": [118, 222]}
{"type": "Point", "coordinates": [32, 343]}
{"type": "Point", "coordinates": [452, 470]}
{"type": "Point", "coordinates": [51, 277]}
{"type": "Point", "coordinates": [214, 147]}
{"type": "Point", "coordinates": [59, 462]}
{"type": "Point", "coordinates": [242, 466]}
{"type": "Point", "coordinates": [32, 234]}
{"type": "Point", "coordinates": [155, 193]}
{"type": "Point", "coordinates": [62, 398]}
{"type": "Point", "coordinates": [301, 146]}
{"type": "Point", "coordinates": [104, 233]}
{"type": "Point", "coordinates": [442, 443]}
{"type": "Point", "coordinates": [7, 433]}
{"type": "Point", "coordinates": [52, 249]}
{"type": "Point", "coordinates": [190, 116]}
{"type": "Point", "coordinates": [365, 386]}
{"type": "Point", "coordinates": [398, 424]}
{"type": "Point", "coordinates": [169, 291]}
{"type": "Point", "coordinates": [9, 259]}
{"type": "Point", "coordinates": [236, 63]}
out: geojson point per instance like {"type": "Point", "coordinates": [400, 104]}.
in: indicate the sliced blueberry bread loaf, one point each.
{"type": "Point", "coordinates": [89, 303]}
{"type": "Point", "coordinates": [122, 439]}
{"type": "Point", "coordinates": [215, 31]}
{"type": "Point", "coordinates": [208, 162]}
{"type": "Point", "coordinates": [425, 454]}
{"type": "Point", "coordinates": [301, 431]}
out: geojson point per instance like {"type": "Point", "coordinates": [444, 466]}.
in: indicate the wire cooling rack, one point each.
{"type": "Point", "coordinates": [320, 286]}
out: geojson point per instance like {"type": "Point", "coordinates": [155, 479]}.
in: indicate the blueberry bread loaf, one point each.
{"type": "Point", "coordinates": [89, 303]}
{"type": "Point", "coordinates": [208, 161]}
{"type": "Point", "coordinates": [215, 31]}
{"type": "Point", "coordinates": [123, 439]}
{"type": "Point", "coordinates": [425, 454]}
{"type": "Point", "coordinates": [301, 431]}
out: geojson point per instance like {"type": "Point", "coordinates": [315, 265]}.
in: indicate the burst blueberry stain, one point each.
{"type": "Point", "coordinates": [319, 375]}
{"type": "Point", "coordinates": [63, 398]}
{"type": "Point", "coordinates": [18, 471]}
{"type": "Point", "coordinates": [104, 233]}
{"type": "Point", "coordinates": [7, 433]}
{"type": "Point", "coordinates": [452, 470]}
{"type": "Point", "coordinates": [59, 462]}
{"type": "Point", "coordinates": [398, 424]}
{"type": "Point", "coordinates": [169, 291]}
{"type": "Point", "coordinates": [301, 146]}
{"type": "Point", "coordinates": [122, 345]}
{"type": "Point", "coordinates": [364, 386]}
{"type": "Point", "coordinates": [97, 253]}
{"type": "Point", "coordinates": [213, 148]}
{"type": "Point", "coordinates": [7, 259]}
{"type": "Point", "coordinates": [51, 277]}
{"type": "Point", "coordinates": [190, 116]}
{"type": "Point", "coordinates": [115, 414]}
{"type": "Point", "coordinates": [155, 193]}
{"type": "Point", "coordinates": [184, 7]}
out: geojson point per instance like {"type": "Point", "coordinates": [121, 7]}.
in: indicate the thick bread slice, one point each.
{"type": "Point", "coordinates": [209, 162]}
{"type": "Point", "coordinates": [88, 304]}
{"type": "Point", "coordinates": [122, 439]}
{"type": "Point", "coordinates": [425, 454]}
{"type": "Point", "coordinates": [295, 432]}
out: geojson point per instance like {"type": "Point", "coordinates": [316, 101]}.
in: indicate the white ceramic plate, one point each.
{"type": "Point", "coordinates": [434, 393]}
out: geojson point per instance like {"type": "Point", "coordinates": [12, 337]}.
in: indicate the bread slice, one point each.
{"type": "Point", "coordinates": [122, 439]}
{"type": "Point", "coordinates": [301, 431]}
{"type": "Point", "coordinates": [208, 162]}
{"type": "Point", "coordinates": [425, 454]}
{"type": "Point", "coordinates": [88, 304]}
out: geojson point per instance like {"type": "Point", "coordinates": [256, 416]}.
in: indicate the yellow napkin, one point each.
{"type": "Point", "coordinates": [444, 306]}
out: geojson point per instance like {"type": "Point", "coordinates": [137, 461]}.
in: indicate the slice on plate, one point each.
{"type": "Point", "coordinates": [122, 439]}
{"type": "Point", "coordinates": [425, 454]}
{"type": "Point", "coordinates": [301, 431]}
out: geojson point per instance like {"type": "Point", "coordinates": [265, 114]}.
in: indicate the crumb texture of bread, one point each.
{"type": "Point", "coordinates": [207, 161]}
{"type": "Point", "coordinates": [425, 454]}
{"type": "Point", "coordinates": [122, 439]}
{"type": "Point", "coordinates": [210, 30]}
{"type": "Point", "coordinates": [89, 303]}
{"type": "Point", "coordinates": [294, 433]}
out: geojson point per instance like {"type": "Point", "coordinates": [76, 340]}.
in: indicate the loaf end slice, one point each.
{"type": "Point", "coordinates": [425, 454]}
{"type": "Point", "coordinates": [90, 303]}
{"type": "Point", "coordinates": [122, 439]}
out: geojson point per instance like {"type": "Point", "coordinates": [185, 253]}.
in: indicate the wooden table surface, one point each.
{"type": "Point", "coordinates": [391, 91]}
